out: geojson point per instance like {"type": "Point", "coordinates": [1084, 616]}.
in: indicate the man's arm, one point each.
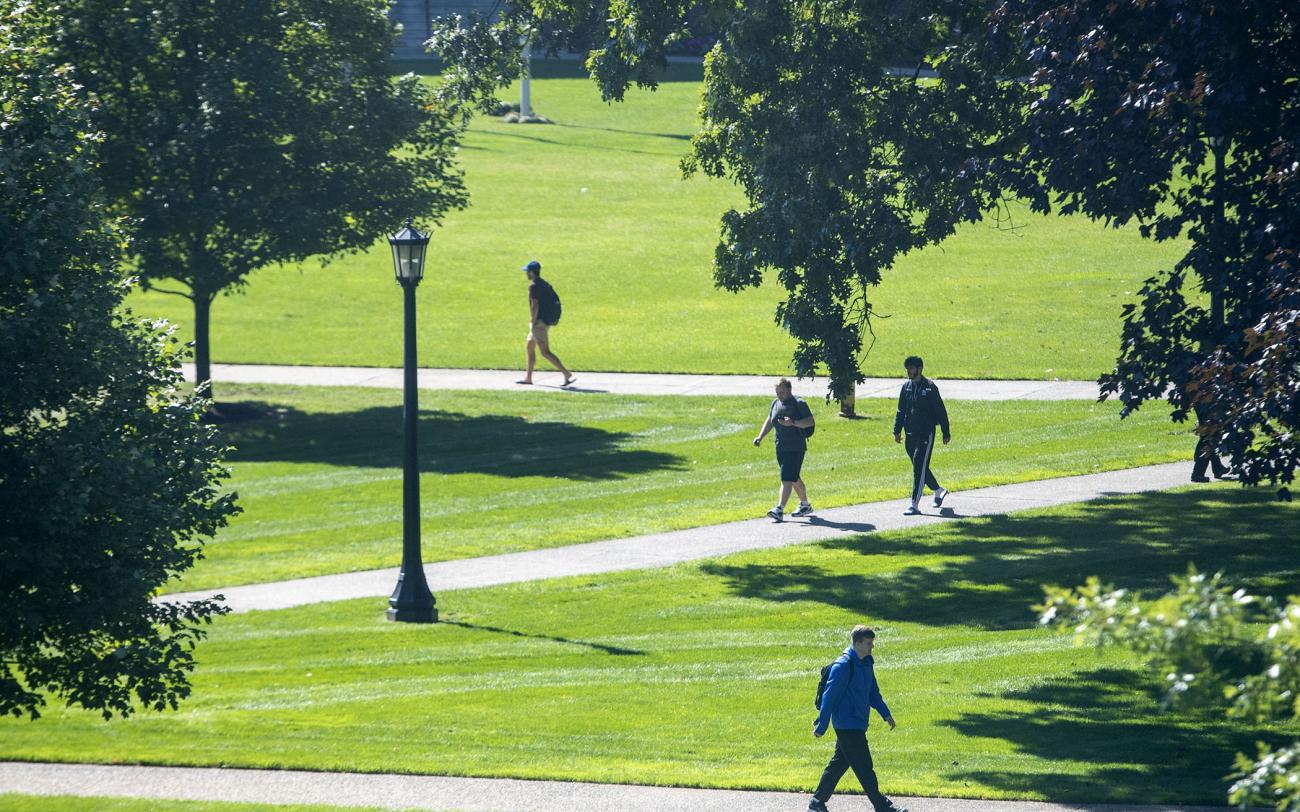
{"type": "Point", "coordinates": [837, 682]}
{"type": "Point", "coordinates": [878, 702]}
{"type": "Point", "coordinates": [532, 308]}
{"type": "Point", "coordinates": [898, 417]}
{"type": "Point", "coordinates": [942, 414]}
{"type": "Point", "coordinates": [803, 422]}
{"type": "Point", "coordinates": [767, 426]}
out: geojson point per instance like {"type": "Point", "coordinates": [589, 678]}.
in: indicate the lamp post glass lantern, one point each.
{"type": "Point", "coordinates": [411, 602]}
{"type": "Point", "coordinates": [408, 254]}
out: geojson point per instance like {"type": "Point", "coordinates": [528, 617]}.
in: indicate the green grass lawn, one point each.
{"type": "Point", "coordinates": [599, 200]}
{"type": "Point", "coordinates": [320, 478]}
{"type": "Point", "coordinates": [703, 674]}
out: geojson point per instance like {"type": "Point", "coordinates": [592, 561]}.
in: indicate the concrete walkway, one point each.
{"type": "Point", "coordinates": [467, 794]}
{"type": "Point", "coordinates": [665, 549]}
{"type": "Point", "coordinates": [632, 383]}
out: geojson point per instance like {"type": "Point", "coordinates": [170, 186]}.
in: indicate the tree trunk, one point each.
{"type": "Point", "coordinates": [202, 347]}
{"type": "Point", "coordinates": [1220, 240]}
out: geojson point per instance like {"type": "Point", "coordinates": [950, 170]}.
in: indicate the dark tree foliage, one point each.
{"type": "Point", "coordinates": [1185, 116]}
{"type": "Point", "coordinates": [240, 134]}
{"type": "Point", "coordinates": [108, 478]}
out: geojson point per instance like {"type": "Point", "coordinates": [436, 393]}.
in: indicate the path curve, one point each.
{"type": "Point", "coordinates": [665, 549]}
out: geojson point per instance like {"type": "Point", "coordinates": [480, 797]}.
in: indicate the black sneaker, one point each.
{"type": "Point", "coordinates": [817, 806]}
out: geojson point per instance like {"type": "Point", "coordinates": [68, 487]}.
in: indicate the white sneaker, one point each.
{"type": "Point", "coordinates": [777, 513]}
{"type": "Point", "coordinates": [805, 509]}
{"type": "Point", "coordinates": [939, 496]}
{"type": "Point", "coordinates": [912, 510]}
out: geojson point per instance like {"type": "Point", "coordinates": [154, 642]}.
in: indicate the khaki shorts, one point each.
{"type": "Point", "coordinates": [539, 334]}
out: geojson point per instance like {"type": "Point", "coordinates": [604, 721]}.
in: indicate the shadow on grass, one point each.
{"type": "Point", "coordinates": [1108, 718]}
{"type": "Point", "coordinates": [670, 136]}
{"type": "Point", "coordinates": [992, 569]}
{"type": "Point", "coordinates": [615, 650]}
{"type": "Point", "coordinates": [519, 136]}
{"type": "Point", "coordinates": [449, 443]}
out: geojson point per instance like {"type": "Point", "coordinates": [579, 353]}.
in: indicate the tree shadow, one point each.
{"type": "Point", "coordinates": [449, 443]}
{"type": "Point", "coordinates": [551, 142]}
{"type": "Point", "coordinates": [621, 131]}
{"type": "Point", "coordinates": [995, 567]}
{"type": "Point", "coordinates": [615, 650]}
{"type": "Point", "coordinates": [1108, 717]}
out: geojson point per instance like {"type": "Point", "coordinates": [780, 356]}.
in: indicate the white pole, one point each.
{"type": "Point", "coordinates": [525, 100]}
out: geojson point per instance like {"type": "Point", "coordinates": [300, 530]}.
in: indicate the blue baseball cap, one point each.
{"type": "Point", "coordinates": [534, 266]}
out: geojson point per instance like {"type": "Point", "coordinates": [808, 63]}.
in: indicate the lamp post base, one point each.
{"type": "Point", "coordinates": [411, 601]}
{"type": "Point", "coordinates": [426, 614]}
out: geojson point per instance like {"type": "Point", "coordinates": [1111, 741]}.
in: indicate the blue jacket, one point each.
{"type": "Point", "coordinates": [849, 697]}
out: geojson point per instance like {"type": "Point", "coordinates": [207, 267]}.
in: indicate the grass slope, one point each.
{"type": "Point", "coordinates": [320, 480]}
{"type": "Point", "coordinates": [703, 674]}
{"type": "Point", "coordinates": [599, 200]}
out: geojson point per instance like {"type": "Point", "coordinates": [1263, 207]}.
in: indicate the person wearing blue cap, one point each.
{"type": "Point", "coordinates": [544, 313]}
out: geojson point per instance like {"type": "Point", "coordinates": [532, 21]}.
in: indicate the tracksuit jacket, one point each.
{"type": "Point", "coordinates": [851, 693]}
{"type": "Point", "coordinates": [920, 408]}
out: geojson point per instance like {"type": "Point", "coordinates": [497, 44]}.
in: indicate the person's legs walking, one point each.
{"type": "Point", "coordinates": [542, 335]}
{"type": "Point", "coordinates": [859, 758]}
{"type": "Point", "coordinates": [850, 751]}
{"type": "Point", "coordinates": [785, 494]}
{"type": "Point", "coordinates": [530, 349]}
{"type": "Point", "coordinates": [834, 771]}
{"type": "Point", "coordinates": [919, 448]}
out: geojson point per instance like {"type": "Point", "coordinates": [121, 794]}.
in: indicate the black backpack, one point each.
{"type": "Point", "coordinates": [548, 303]}
{"type": "Point", "coordinates": [826, 674]}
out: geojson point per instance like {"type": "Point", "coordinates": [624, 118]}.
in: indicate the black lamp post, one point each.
{"type": "Point", "coordinates": [411, 602]}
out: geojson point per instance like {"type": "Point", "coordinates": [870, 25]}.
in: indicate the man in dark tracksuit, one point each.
{"type": "Point", "coordinates": [920, 410]}
{"type": "Point", "coordinates": [851, 692]}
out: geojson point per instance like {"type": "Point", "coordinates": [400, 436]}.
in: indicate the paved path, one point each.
{"type": "Point", "coordinates": [446, 793]}
{"type": "Point", "coordinates": [633, 383]}
{"type": "Point", "coordinates": [664, 549]}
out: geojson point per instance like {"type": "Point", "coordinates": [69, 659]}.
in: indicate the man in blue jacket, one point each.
{"type": "Point", "coordinates": [920, 410]}
{"type": "Point", "coordinates": [851, 692]}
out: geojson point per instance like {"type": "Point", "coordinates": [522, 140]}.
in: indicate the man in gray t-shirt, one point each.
{"type": "Point", "coordinates": [789, 416]}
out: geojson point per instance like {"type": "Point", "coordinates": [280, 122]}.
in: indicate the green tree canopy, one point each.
{"type": "Point", "coordinates": [242, 134]}
{"type": "Point", "coordinates": [108, 478]}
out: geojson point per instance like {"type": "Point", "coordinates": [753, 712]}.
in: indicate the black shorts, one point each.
{"type": "Point", "coordinates": [791, 463]}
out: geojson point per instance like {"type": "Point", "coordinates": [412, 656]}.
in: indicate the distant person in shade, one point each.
{"type": "Point", "coordinates": [543, 314]}
{"type": "Point", "coordinates": [851, 693]}
{"type": "Point", "coordinates": [1207, 454]}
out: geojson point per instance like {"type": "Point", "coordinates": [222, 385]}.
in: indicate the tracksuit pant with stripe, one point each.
{"type": "Point", "coordinates": [920, 447]}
